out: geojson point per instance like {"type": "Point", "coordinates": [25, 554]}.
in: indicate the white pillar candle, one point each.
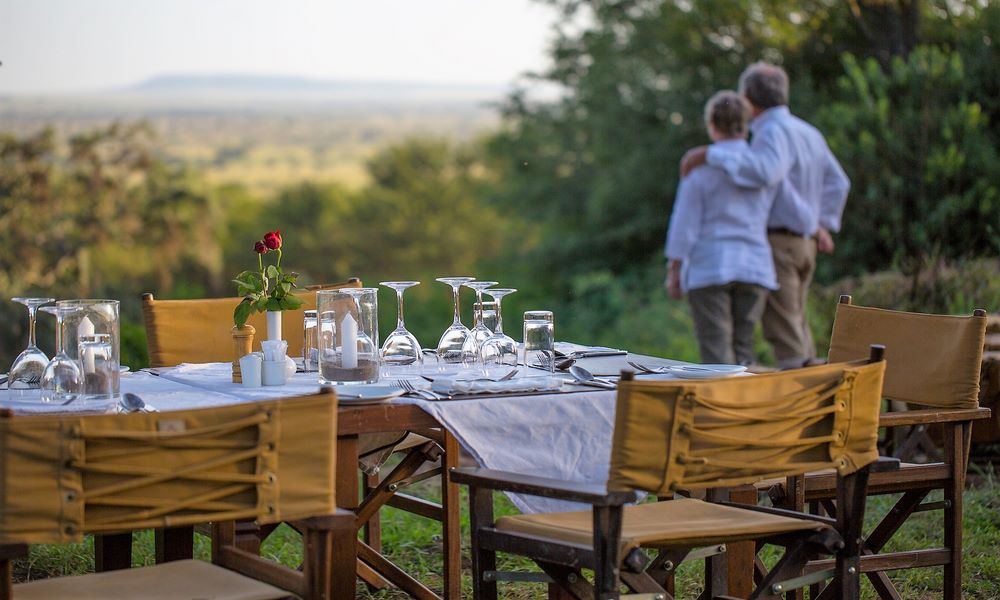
{"type": "Point", "coordinates": [86, 327]}
{"type": "Point", "coordinates": [349, 342]}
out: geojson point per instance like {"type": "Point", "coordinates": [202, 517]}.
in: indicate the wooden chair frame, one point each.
{"type": "Point", "coordinates": [562, 561]}
{"type": "Point", "coordinates": [915, 482]}
{"type": "Point", "coordinates": [328, 541]}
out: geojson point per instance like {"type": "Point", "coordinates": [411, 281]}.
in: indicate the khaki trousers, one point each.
{"type": "Point", "coordinates": [724, 319]}
{"type": "Point", "coordinates": [786, 324]}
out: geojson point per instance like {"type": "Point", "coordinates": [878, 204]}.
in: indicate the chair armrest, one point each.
{"type": "Point", "coordinates": [932, 415]}
{"type": "Point", "coordinates": [885, 464]}
{"type": "Point", "coordinates": [547, 487]}
{"type": "Point", "coordinates": [781, 512]}
{"type": "Point", "coordinates": [12, 551]}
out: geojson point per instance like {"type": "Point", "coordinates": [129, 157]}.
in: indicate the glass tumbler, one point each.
{"type": "Point", "coordinates": [93, 316]}
{"type": "Point", "coordinates": [539, 340]}
{"type": "Point", "coordinates": [310, 342]}
{"type": "Point", "coordinates": [348, 332]}
{"type": "Point", "coordinates": [100, 369]}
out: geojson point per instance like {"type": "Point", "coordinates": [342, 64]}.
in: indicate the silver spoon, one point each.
{"type": "Point", "coordinates": [132, 403]}
{"type": "Point", "coordinates": [587, 378]}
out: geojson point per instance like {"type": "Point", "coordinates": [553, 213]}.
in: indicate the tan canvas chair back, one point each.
{"type": "Point", "coordinates": [697, 434]}
{"type": "Point", "coordinates": [200, 330]}
{"type": "Point", "coordinates": [933, 360]}
{"type": "Point", "coordinates": [64, 476]}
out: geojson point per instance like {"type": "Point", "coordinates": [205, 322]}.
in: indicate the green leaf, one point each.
{"type": "Point", "coordinates": [291, 302]}
{"type": "Point", "coordinates": [273, 304]}
{"type": "Point", "coordinates": [243, 311]}
{"type": "Point", "coordinates": [249, 280]}
{"type": "Point", "coordinates": [261, 303]}
{"type": "Point", "coordinates": [285, 287]}
{"type": "Point", "coordinates": [272, 272]}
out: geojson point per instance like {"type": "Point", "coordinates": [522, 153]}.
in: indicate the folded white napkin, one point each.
{"type": "Point", "coordinates": [464, 384]}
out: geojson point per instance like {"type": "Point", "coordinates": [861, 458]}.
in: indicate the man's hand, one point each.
{"type": "Point", "coordinates": [693, 158]}
{"type": "Point", "coordinates": [673, 285]}
{"type": "Point", "coordinates": [824, 241]}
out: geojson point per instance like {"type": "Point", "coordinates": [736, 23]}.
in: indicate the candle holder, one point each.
{"type": "Point", "coordinates": [348, 348]}
{"type": "Point", "coordinates": [93, 317]}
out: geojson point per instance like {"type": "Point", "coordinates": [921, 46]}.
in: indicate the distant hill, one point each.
{"type": "Point", "coordinates": [291, 88]}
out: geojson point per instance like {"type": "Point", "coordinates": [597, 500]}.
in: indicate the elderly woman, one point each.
{"type": "Point", "coordinates": [717, 244]}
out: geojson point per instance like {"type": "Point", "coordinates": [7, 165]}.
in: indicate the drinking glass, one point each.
{"type": "Point", "coordinates": [310, 342]}
{"type": "Point", "coordinates": [93, 316]}
{"type": "Point", "coordinates": [26, 372]}
{"type": "Point", "coordinates": [449, 348]}
{"type": "Point", "coordinates": [489, 310]}
{"type": "Point", "coordinates": [401, 348]}
{"type": "Point", "coordinates": [539, 340]}
{"type": "Point", "coordinates": [97, 358]}
{"type": "Point", "coordinates": [479, 332]}
{"type": "Point", "coordinates": [348, 330]}
{"type": "Point", "coordinates": [499, 348]}
{"type": "Point", "coordinates": [62, 379]}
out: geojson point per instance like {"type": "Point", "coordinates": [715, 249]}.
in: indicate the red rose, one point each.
{"type": "Point", "coordinates": [272, 239]}
{"type": "Point", "coordinates": [260, 248]}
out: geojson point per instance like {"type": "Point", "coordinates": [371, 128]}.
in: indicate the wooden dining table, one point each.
{"type": "Point", "coordinates": [366, 559]}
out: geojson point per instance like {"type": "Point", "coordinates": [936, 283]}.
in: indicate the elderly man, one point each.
{"type": "Point", "coordinates": [811, 190]}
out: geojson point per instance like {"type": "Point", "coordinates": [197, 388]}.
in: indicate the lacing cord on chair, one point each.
{"type": "Point", "coordinates": [155, 511]}
{"type": "Point", "coordinates": [716, 452]}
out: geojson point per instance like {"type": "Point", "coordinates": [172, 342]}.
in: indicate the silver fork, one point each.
{"type": "Point", "coordinates": [645, 369]}
{"type": "Point", "coordinates": [411, 389]}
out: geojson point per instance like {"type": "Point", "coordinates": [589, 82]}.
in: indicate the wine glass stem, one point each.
{"type": "Point", "coordinates": [499, 329]}
{"type": "Point", "coordinates": [59, 340]}
{"type": "Point", "coordinates": [479, 302]}
{"type": "Point", "coordinates": [399, 309]}
{"type": "Point", "coordinates": [458, 317]}
{"type": "Point", "coordinates": [32, 313]}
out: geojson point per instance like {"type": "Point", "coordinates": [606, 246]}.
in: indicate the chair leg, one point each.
{"type": "Point", "coordinates": [607, 537]}
{"type": "Point", "coordinates": [956, 441]}
{"type": "Point", "coordinates": [8, 553]}
{"type": "Point", "coordinates": [480, 516]}
{"type": "Point", "coordinates": [328, 557]}
{"type": "Point", "coordinates": [569, 583]}
{"type": "Point", "coordinates": [852, 492]}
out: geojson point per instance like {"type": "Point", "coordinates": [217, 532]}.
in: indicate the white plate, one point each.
{"type": "Point", "coordinates": [705, 371]}
{"type": "Point", "coordinates": [367, 394]}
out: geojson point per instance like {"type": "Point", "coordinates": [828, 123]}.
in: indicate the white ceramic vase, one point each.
{"type": "Point", "coordinates": [273, 324]}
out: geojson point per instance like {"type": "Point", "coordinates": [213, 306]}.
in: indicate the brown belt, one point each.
{"type": "Point", "coordinates": [784, 231]}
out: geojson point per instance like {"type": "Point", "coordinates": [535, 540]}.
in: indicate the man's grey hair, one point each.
{"type": "Point", "coordinates": [765, 85]}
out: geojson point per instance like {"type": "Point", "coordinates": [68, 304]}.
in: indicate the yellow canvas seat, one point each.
{"type": "Point", "coordinates": [932, 372]}
{"type": "Point", "coordinates": [696, 435]}
{"type": "Point", "coordinates": [167, 581]}
{"type": "Point", "coordinates": [199, 330]}
{"type": "Point", "coordinates": [680, 522]}
{"type": "Point", "coordinates": [65, 476]}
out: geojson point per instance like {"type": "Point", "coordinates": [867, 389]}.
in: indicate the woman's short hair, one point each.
{"type": "Point", "coordinates": [765, 85]}
{"type": "Point", "coordinates": [728, 113]}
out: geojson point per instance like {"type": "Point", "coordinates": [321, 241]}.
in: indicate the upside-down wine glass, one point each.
{"type": "Point", "coordinates": [499, 348]}
{"type": "Point", "coordinates": [26, 371]}
{"type": "Point", "coordinates": [62, 379]}
{"type": "Point", "coordinates": [449, 348]}
{"type": "Point", "coordinates": [479, 332]}
{"type": "Point", "coordinates": [401, 347]}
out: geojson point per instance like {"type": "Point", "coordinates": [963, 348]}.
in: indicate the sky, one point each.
{"type": "Point", "coordinates": [53, 46]}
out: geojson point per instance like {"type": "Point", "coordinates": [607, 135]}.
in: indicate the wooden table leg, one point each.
{"type": "Point", "coordinates": [348, 497]}
{"type": "Point", "coordinates": [174, 543]}
{"type": "Point", "coordinates": [112, 551]}
{"type": "Point", "coordinates": [451, 530]}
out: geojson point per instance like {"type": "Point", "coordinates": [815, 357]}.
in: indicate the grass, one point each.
{"type": "Point", "coordinates": [414, 543]}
